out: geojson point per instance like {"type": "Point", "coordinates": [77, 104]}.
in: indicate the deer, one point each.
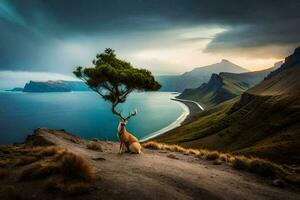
{"type": "Point", "coordinates": [127, 139]}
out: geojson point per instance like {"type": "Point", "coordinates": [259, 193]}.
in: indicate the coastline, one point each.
{"type": "Point", "coordinates": [190, 109]}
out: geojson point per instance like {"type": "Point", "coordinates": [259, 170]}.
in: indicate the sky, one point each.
{"type": "Point", "coordinates": [164, 36]}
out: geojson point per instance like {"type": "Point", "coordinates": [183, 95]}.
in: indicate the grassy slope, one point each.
{"type": "Point", "coordinates": [266, 124]}
{"type": "Point", "coordinates": [232, 86]}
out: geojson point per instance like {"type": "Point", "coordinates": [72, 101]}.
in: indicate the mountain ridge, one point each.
{"type": "Point", "coordinates": [225, 86]}
{"type": "Point", "coordinates": [197, 76]}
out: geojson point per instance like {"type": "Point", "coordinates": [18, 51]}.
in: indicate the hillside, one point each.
{"type": "Point", "coordinates": [197, 76]}
{"type": "Point", "coordinates": [225, 86]}
{"type": "Point", "coordinates": [218, 89]}
{"type": "Point", "coordinates": [54, 164]}
{"type": "Point", "coordinates": [263, 122]}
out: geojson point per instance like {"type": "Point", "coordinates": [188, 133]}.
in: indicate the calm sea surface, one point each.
{"type": "Point", "coordinates": [84, 114]}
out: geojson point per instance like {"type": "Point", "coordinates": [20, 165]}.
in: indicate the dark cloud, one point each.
{"type": "Point", "coordinates": [29, 27]}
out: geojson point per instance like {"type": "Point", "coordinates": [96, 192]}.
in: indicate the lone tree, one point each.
{"type": "Point", "coordinates": [114, 79]}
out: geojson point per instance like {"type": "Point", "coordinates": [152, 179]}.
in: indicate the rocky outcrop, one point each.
{"type": "Point", "coordinates": [40, 137]}
{"type": "Point", "coordinates": [37, 139]}
{"type": "Point", "coordinates": [289, 62]}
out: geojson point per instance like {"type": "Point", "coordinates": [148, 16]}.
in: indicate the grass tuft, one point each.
{"type": "Point", "coordinates": [213, 155]}
{"type": "Point", "coordinates": [47, 151]}
{"type": "Point", "coordinates": [40, 170]}
{"type": "Point", "coordinates": [223, 157]}
{"type": "Point", "coordinates": [25, 160]}
{"type": "Point", "coordinates": [153, 145]}
{"type": "Point", "coordinates": [262, 167]}
{"type": "Point", "coordinates": [240, 163]}
{"type": "Point", "coordinates": [74, 166]}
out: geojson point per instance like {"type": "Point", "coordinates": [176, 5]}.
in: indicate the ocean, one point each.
{"type": "Point", "coordinates": [83, 113]}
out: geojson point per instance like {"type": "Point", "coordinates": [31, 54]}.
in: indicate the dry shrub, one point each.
{"type": "Point", "coordinates": [152, 145]}
{"type": "Point", "coordinates": [40, 170]}
{"type": "Point", "coordinates": [48, 151]}
{"type": "Point", "coordinates": [177, 148]}
{"type": "Point", "coordinates": [25, 160]}
{"type": "Point", "coordinates": [263, 167]}
{"type": "Point", "coordinates": [161, 146]}
{"type": "Point", "coordinates": [193, 151]}
{"type": "Point", "coordinates": [3, 173]}
{"type": "Point", "coordinates": [210, 155]}
{"type": "Point", "coordinates": [223, 157]}
{"type": "Point", "coordinates": [240, 163]}
{"type": "Point", "coordinates": [67, 164]}
{"type": "Point", "coordinates": [213, 155]}
{"type": "Point", "coordinates": [202, 152]}
{"type": "Point", "coordinates": [74, 166]}
{"type": "Point", "coordinates": [54, 184]}
{"type": "Point", "coordinates": [96, 146]}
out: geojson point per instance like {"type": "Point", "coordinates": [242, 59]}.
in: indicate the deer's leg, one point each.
{"type": "Point", "coordinates": [121, 147]}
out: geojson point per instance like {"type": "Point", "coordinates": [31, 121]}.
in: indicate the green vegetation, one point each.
{"type": "Point", "coordinates": [114, 79]}
{"type": "Point", "coordinates": [263, 122]}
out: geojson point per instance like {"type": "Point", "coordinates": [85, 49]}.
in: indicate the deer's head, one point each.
{"type": "Point", "coordinates": [125, 119]}
{"type": "Point", "coordinates": [123, 122]}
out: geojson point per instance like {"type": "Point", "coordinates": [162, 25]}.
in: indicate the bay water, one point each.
{"type": "Point", "coordinates": [83, 113]}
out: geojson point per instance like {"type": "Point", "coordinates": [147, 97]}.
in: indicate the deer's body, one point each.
{"type": "Point", "coordinates": [128, 140]}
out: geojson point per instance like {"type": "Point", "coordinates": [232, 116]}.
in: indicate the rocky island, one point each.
{"type": "Point", "coordinates": [52, 86]}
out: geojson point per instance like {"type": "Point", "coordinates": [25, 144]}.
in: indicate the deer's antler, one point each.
{"type": "Point", "coordinates": [131, 114]}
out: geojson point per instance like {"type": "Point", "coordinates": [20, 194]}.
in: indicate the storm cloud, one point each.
{"type": "Point", "coordinates": [56, 35]}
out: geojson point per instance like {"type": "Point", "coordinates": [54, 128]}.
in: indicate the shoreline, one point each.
{"type": "Point", "coordinates": [190, 108]}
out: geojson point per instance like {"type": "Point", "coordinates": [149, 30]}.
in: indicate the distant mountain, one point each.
{"type": "Point", "coordinates": [53, 86]}
{"type": "Point", "coordinates": [263, 122]}
{"type": "Point", "coordinates": [225, 86]}
{"type": "Point", "coordinates": [197, 76]}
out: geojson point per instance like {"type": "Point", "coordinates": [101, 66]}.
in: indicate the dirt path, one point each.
{"type": "Point", "coordinates": [157, 175]}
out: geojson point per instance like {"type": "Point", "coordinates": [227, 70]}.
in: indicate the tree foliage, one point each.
{"type": "Point", "coordinates": [114, 79]}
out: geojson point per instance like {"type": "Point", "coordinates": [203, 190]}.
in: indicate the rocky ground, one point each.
{"type": "Point", "coordinates": [154, 174]}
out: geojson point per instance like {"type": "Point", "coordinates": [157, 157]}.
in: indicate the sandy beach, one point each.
{"type": "Point", "coordinates": [194, 109]}
{"type": "Point", "coordinates": [191, 109]}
